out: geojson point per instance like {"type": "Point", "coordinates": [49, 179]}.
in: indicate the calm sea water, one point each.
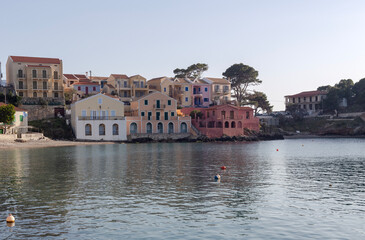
{"type": "Point", "coordinates": [308, 189]}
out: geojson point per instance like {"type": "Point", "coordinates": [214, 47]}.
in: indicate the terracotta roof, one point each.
{"type": "Point", "coordinates": [109, 85]}
{"type": "Point", "coordinates": [182, 80]}
{"type": "Point", "coordinates": [136, 76]}
{"type": "Point", "coordinates": [86, 83]}
{"type": "Point", "coordinates": [218, 80]}
{"type": "Point", "coordinates": [70, 76]}
{"type": "Point", "coordinates": [16, 108]}
{"type": "Point", "coordinates": [35, 60]}
{"type": "Point", "coordinates": [81, 76]}
{"type": "Point", "coordinates": [38, 66]}
{"type": "Point", "coordinates": [123, 76]}
{"type": "Point", "coordinates": [112, 96]}
{"type": "Point", "coordinates": [156, 80]}
{"type": "Point", "coordinates": [230, 105]}
{"type": "Point", "coordinates": [308, 94]}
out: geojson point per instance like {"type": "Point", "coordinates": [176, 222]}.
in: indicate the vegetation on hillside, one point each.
{"type": "Point", "coordinates": [54, 128]}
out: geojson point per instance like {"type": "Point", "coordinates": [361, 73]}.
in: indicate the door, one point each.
{"type": "Point", "coordinates": [86, 90]}
{"type": "Point", "coordinates": [157, 103]}
{"type": "Point", "coordinates": [158, 115]}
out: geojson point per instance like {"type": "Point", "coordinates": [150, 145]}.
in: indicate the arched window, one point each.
{"type": "Point", "coordinates": [88, 130]}
{"type": "Point", "coordinates": [133, 128]}
{"type": "Point", "coordinates": [101, 129]}
{"type": "Point", "coordinates": [171, 127]}
{"type": "Point", "coordinates": [233, 124]}
{"type": "Point", "coordinates": [239, 124]}
{"type": "Point", "coordinates": [226, 125]}
{"type": "Point", "coordinates": [184, 128]}
{"type": "Point", "coordinates": [219, 124]}
{"type": "Point", "coordinates": [149, 127]}
{"type": "Point", "coordinates": [160, 127]}
{"type": "Point", "coordinates": [115, 129]}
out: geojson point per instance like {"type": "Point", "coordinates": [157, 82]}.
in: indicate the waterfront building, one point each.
{"type": "Point", "coordinates": [36, 77]}
{"type": "Point", "coordinates": [310, 101]}
{"type": "Point", "coordinates": [69, 79]}
{"type": "Point", "coordinates": [101, 80]}
{"type": "Point", "coordinates": [20, 124]}
{"type": "Point", "coordinates": [201, 93]}
{"type": "Point", "coordinates": [156, 114]}
{"type": "Point", "coordinates": [220, 120]}
{"type": "Point", "coordinates": [98, 117]}
{"type": "Point", "coordinates": [128, 88]}
{"type": "Point", "coordinates": [220, 90]}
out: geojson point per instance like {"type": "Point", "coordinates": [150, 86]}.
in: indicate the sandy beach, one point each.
{"type": "Point", "coordinates": [46, 142]}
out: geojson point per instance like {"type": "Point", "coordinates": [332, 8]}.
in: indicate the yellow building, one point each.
{"type": "Point", "coordinates": [127, 88]}
{"type": "Point", "coordinates": [35, 77]}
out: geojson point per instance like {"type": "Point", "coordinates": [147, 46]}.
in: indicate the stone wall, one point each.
{"type": "Point", "coordinates": [158, 136]}
{"type": "Point", "coordinates": [38, 112]}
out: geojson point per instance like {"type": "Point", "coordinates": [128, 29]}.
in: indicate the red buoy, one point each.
{"type": "Point", "coordinates": [277, 150]}
{"type": "Point", "coordinates": [223, 167]}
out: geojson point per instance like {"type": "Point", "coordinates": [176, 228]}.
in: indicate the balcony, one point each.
{"type": "Point", "coordinates": [226, 91]}
{"type": "Point", "coordinates": [161, 106]}
{"type": "Point", "coordinates": [218, 90]}
{"type": "Point", "coordinates": [20, 76]}
{"type": "Point", "coordinates": [101, 118]}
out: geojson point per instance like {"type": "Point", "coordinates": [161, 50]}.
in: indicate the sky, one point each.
{"type": "Point", "coordinates": [295, 45]}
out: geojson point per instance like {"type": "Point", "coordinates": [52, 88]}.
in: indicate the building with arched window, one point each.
{"type": "Point", "coordinates": [155, 116]}
{"type": "Point", "coordinates": [99, 117]}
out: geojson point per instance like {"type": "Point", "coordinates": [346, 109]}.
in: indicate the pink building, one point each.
{"type": "Point", "coordinates": [200, 94]}
{"type": "Point", "coordinates": [222, 120]}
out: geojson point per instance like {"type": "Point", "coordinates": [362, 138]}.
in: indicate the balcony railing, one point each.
{"type": "Point", "coordinates": [161, 106]}
{"type": "Point", "coordinates": [101, 118]}
{"type": "Point", "coordinates": [20, 75]}
{"type": "Point", "coordinates": [218, 90]}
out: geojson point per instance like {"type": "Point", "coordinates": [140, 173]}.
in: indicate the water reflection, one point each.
{"type": "Point", "coordinates": [146, 190]}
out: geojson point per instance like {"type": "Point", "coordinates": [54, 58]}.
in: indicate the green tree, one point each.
{"type": "Point", "coordinates": [7, 114]}
{"type": "Point", "coordinates": [259, 101]}
{"type": "Point", "coordinates": [193, 71]}
{"type": "Point", "coordinates": [359, 93]}
{"type": "Point", "coordinates": [241, 77]}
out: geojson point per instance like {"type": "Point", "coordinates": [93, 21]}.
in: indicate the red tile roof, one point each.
{"type": "Point", "coordinates": [81, 76]}
{"type": "Point", "coordinates": [16, 108]}
{"type": "Point", "coordinates": [120, 76]}
{"type": "Point", "coordinates": [35, 60]}
{"type": "Point", "coordinates": [112, 96]}
{"type": "Point", "coordinates": [308, 94]}
{"type": "Point", "coordinates": [38, 66]}
{"type": "Point", "coordinates": [70, 76]}
{"type": "Point", "coordinates": [109, 85]}
{"type": "Point", "coordinates": [86, 83]}
{"type": "Point", "coordinates": [218, 80]}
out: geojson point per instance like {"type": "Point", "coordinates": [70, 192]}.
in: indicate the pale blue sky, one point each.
{"type": "Point", "coordinates": [295, 45]}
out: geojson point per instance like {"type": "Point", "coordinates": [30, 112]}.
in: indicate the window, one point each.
{"type": "Point", "coordinates": [310, 99]}
{"type": "Point", "coordinates": [233, 124]}
{"type": "Point", "coordinates": [186, 99]}
{"type": "Point", "coordinates": [169, 102]}
{"type": "Point", "coordinates": [94, 89]}
{"type": "Point", "coordinates": [158, 105]}
{"type": "Point", "coordinates": [44, 94]}
{"type": "Point", "coordinates": [21, 85]}
{"type": "Point", "coordinates": [231, 114]}
{"type": "Point", "coordinates": [44, 85]}
{"type": "Point", "coordinates": [20, 73]}
{"type": "Point", "coordinates": [55, 86]}
{"type": "Point", "coordinates": [158, 115]}
{"type": "Point", "coordinates": [206, 89]}
{"type": "Point", "coordinates": [316, 98]}
{"type": "Point", "coordinates": [83, 113]}
{"type": "Point", "coordinates": [293, 100]}
{"type": "Point", "coordinates": [115, 129]}
{"type": "Point", "coordinates": [88, 130]}
{"type": "Point", "coordinates": [226, 124]}
{"type": "Point", "coordinates": [183, 128]}
{"type": "Point", "coordinates": [141, 84]}
{"type": "Point", "coordinates": [34, 85]}
{"type": "Point", "coordinates": [149, 127]}
{"type": "Point", "coordinates": [298, 99]}
{"type": "Point", "coordinates": [34, 73]}
{"type": "Point", "coordinates": [172, 114]}
{"type": "Point", "coordinates": [186, 89]}
{"type": "Point", "coordinates": [101, 129]}
{"type": "Point", "coordinates": [55, 75]}
{"type": "Point", "coordinates": [305, 99]}
{"type": "Point", "coordinates": [112, 112]}
{"type": "Point", "coordinates": [171, 127]}
{"type": "Point", "coordinates": [133, 128]}
{"type": "Point", "coordinates": [142, 114]}
{"type": "Point", "coordinates": [166, 115]}
{"type": "Point", "coordinates": [100, 101]}
{"type": "Point", "coordinates": [145, 102]}
{"type": "Point", "coordinates": [34, 94]}
{"type": "Point", "coordinates": [79, 88]}
{"type": "Point", "coordinates": [125, 93]}
{"type": "Point", "coordinates": [310, 107]}
{"type": "Point", "coordinates": [149, 115]}
{"type": "Point", "coordinates": [44, 74]}
{"type": "Point", "coordinates": [56, 94]}
{"type": "Point", "coordinates": [160, 127]}
{"type": "Point", "coordinates": [247, 115]}
{"type": "Point", "coordinates": [164, 89]}
{"type": "Point", "coordinates": [21, 94]}
{"type": "Point", "coordinates": [206, 99]}
{"type": "Point", "coordinates": [21, 118]}
{"type": "Point", "coordinates": [125, 84]}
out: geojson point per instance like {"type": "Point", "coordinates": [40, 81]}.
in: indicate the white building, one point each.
{"type": "Point", "coordinates": [99, 118]}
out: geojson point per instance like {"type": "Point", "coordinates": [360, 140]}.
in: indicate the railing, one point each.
{"type": "Point", "coordinates": [218, 90]}
{"type": "Point", "coordinates": [161, 106]}
{"type": "Point", "coordinates": [198, 93]}
{"type": "Point", "coordinates": [101, 118]}
{"type": "Point", "coordinates": [20, 76]}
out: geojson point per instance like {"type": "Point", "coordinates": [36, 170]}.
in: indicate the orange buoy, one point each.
{"type": "Point", "coordinates": [10, 218]}
{"type": "Point", "coordinates": [223, 167]}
